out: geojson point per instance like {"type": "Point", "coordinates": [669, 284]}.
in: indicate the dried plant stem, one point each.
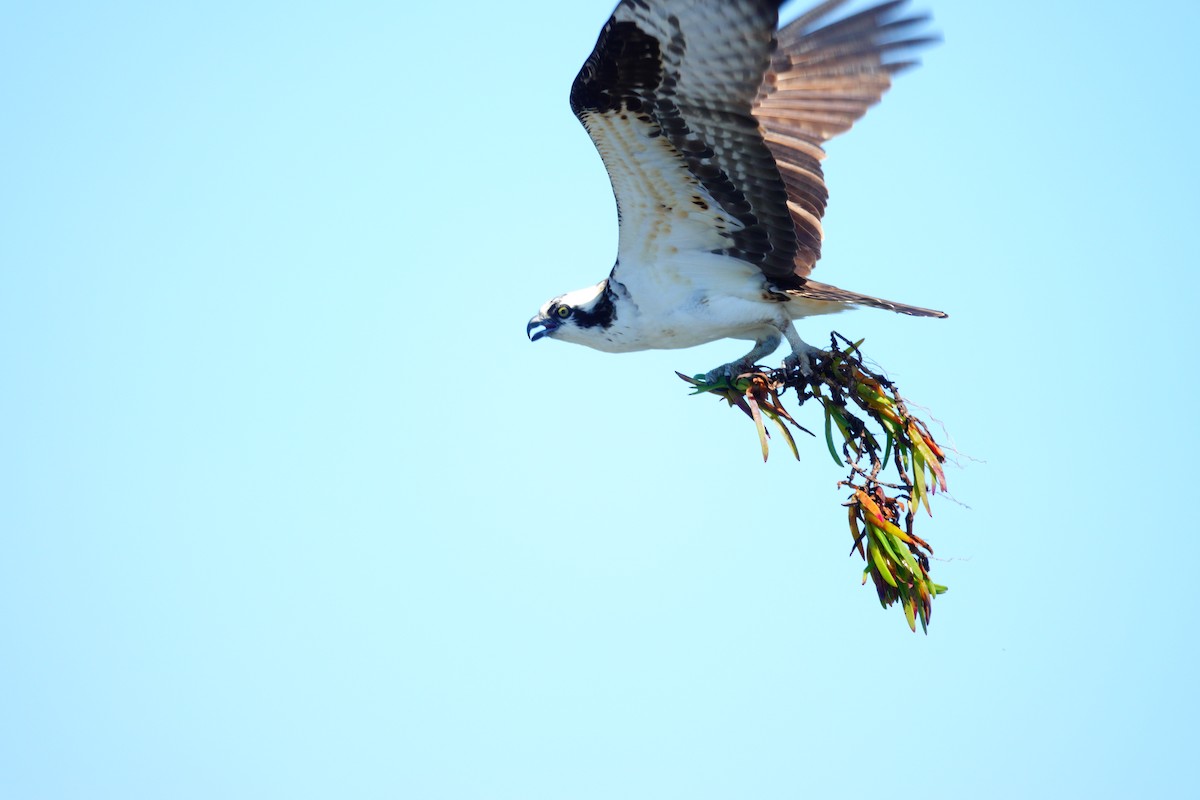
{"type": "Point", "coordinates": [897, 560]}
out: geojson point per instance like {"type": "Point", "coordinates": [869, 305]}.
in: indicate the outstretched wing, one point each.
{"type": "Point", "coordinates": [667, 97]}
{"type": "Point", "coordinates": [823, 77]}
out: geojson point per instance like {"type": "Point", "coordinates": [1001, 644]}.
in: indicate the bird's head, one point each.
{"type": "Point", "coordinates": [584, 316]}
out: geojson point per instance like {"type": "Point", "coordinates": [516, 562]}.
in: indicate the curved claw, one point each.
{"type": "Point", "coordinates": [802, 359]}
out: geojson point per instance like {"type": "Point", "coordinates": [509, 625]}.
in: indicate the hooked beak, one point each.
{"type": "Point", "coordinates": [540, 326]}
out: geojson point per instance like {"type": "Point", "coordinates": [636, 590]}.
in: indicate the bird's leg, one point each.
{"type": "Point", "coordinates": [762, 348]}
{"type": "Point", "coordinates": [802, 355]}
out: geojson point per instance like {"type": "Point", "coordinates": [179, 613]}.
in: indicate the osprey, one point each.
{"type": "Point", "coordinates": [710, 123]}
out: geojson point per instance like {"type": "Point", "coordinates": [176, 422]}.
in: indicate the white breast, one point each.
{"type": "Point", "coordinates": [689, 299]}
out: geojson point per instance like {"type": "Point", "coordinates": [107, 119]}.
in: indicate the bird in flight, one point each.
{"type": "Point", "coordinates": [710, 123]}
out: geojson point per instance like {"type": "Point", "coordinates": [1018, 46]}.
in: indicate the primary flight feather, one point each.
{"type": "Point", "coordinates": [710, 124]}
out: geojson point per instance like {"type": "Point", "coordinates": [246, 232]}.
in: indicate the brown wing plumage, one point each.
{"type": "Point", "coordinates": [710, 123]}
{"type": "Point", "coordinates": [823, 77]}
{"type": "Point", "coordinates": [666, 96]}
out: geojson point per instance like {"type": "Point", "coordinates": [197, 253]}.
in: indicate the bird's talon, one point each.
{"type": "Point", "coordinates": [729, 372]}
{"type": "Point", "coordinates": [802, 360]}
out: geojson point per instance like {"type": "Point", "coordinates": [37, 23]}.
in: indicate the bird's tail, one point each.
{"type": "Point", "coordinates": [814, 290]}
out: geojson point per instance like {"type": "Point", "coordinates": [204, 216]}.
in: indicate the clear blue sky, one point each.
{"type": "Point", "coordinates": [289, 507]}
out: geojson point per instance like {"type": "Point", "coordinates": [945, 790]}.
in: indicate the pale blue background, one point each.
{"type": "Point", "coordinates": [291, 508]}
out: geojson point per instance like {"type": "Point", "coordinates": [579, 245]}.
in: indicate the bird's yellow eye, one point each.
{"type": "Point", "coordinates": [563, 311]}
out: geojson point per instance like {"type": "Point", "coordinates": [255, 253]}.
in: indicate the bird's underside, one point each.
{"type": "Point", "coordinates": [710, 123]}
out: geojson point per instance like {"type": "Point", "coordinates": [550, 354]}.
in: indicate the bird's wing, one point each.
{"type": "Point", "coordinates": [823, 76]}
{"type": "Point", "coordinates": [667, 98]}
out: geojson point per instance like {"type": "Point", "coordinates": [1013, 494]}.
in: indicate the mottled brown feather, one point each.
{"type": "Point", "coordinates": [823, 77]}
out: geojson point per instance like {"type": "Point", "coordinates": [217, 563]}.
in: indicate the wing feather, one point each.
{"type": "Point", "coordinates": [667, 97]}
{"type": "Point", "coordinates": [710, 121]}
{"type": "Point", "coordinates": [822, 79]}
